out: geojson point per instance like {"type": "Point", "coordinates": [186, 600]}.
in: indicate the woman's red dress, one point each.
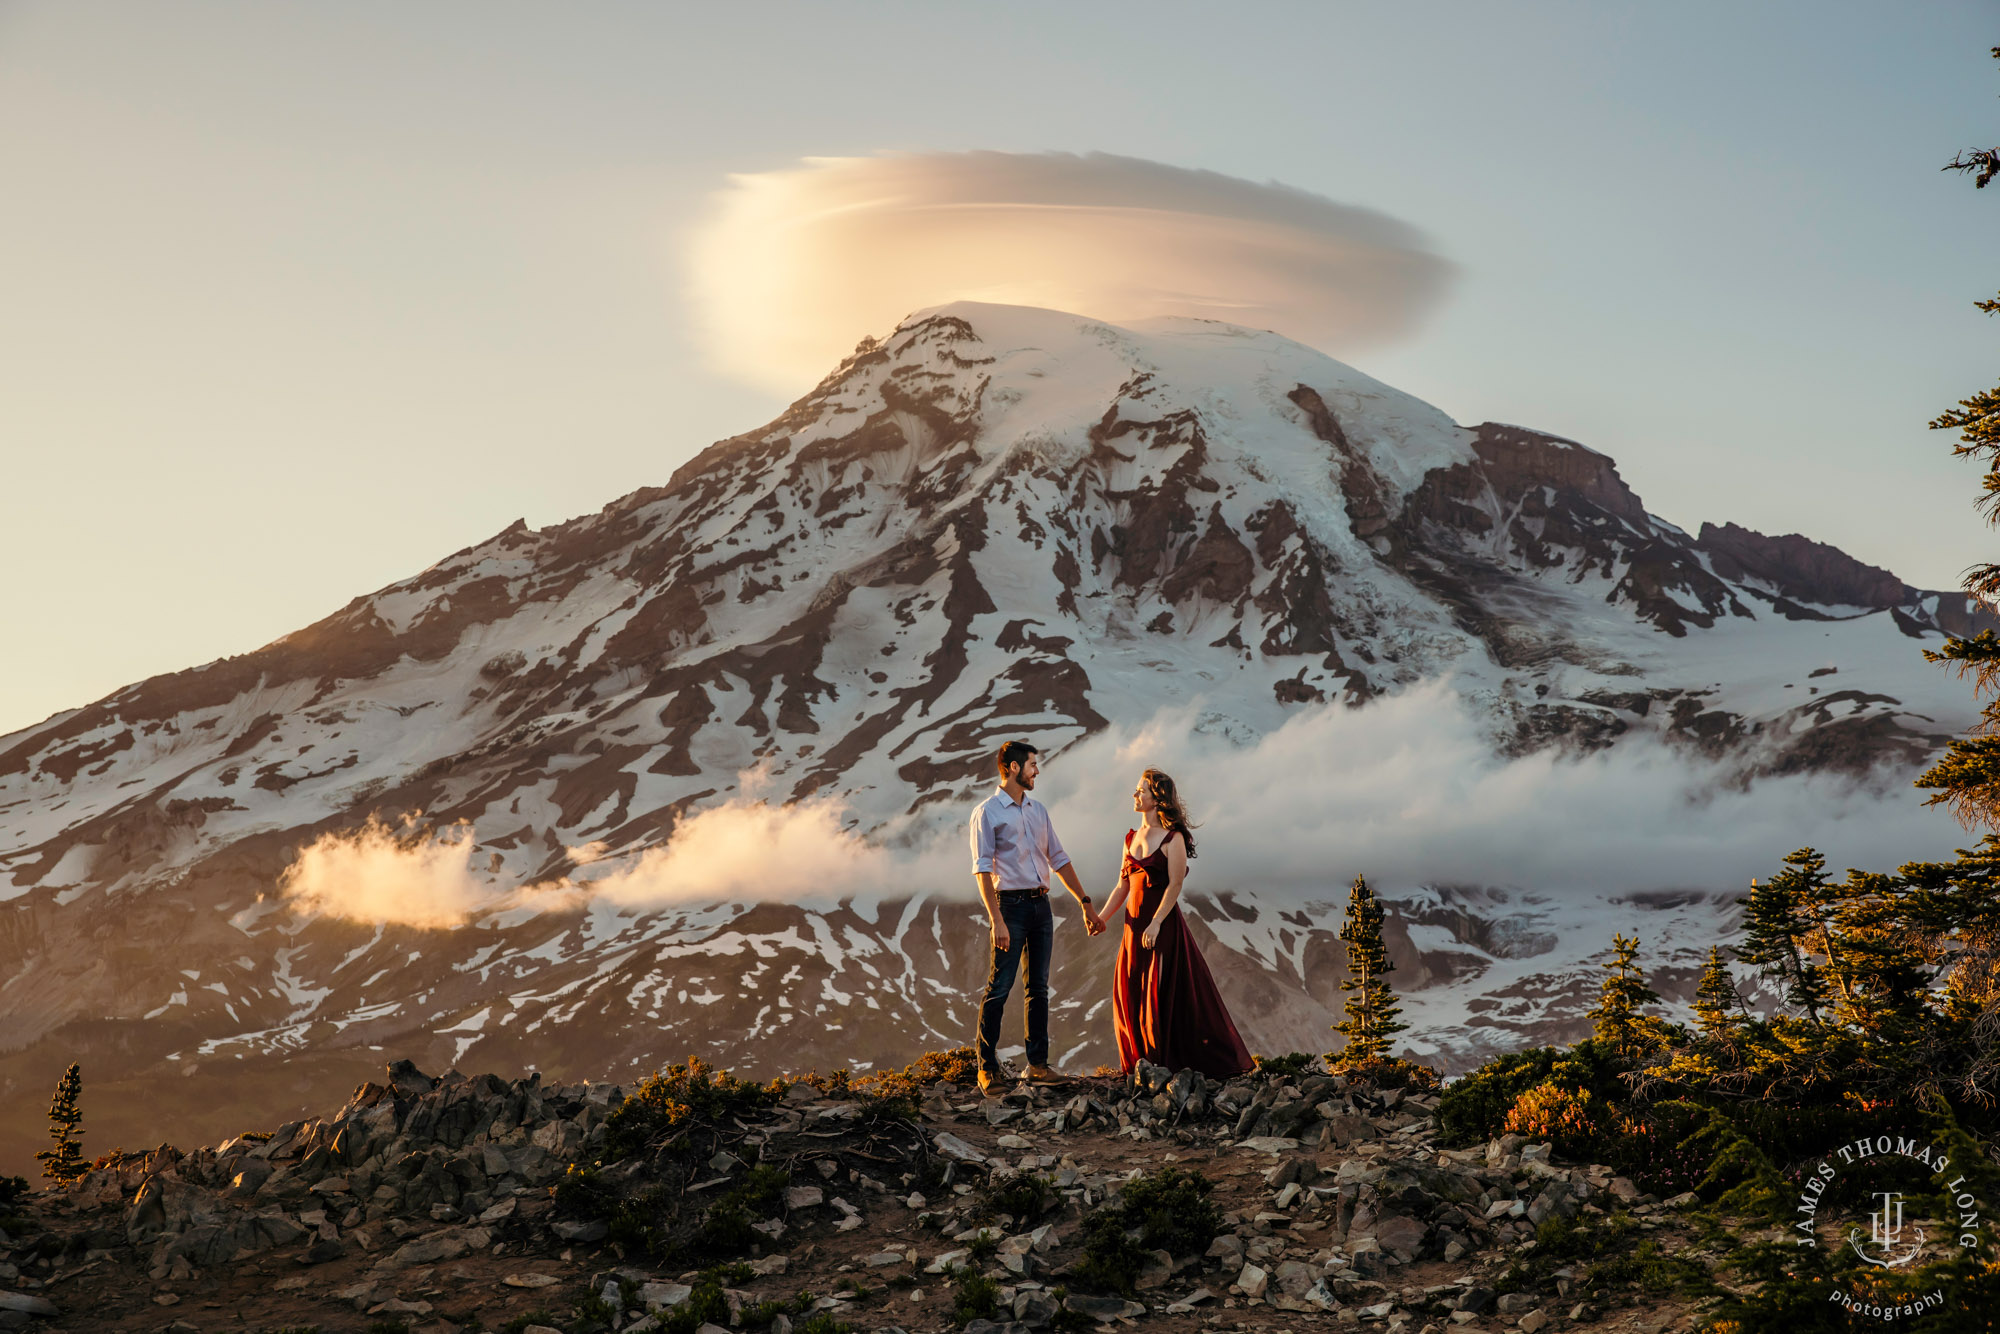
{"type": "Point", "coordinates": [1164, 1001]}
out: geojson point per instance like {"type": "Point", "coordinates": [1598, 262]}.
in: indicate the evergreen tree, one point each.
{"type": "Point", "coordinates": [1967, 780]}
{"type": "Point", "coordinates": [65, 1162]}
{"type": "Point", "coordinates": [1887, 993]}
{"type": "Point", "coordinates": [1772, 934]}
{"type": "Point", "coordinates": [1954, 913]}
{"type": "Point", "coordinates": [1814, 902]}
{"type": "Point", "coordinates": [1715, 1000]}
{"type": "Point", "coordinates": [1619, 1022]}
{"type": "Point", "coordinates": [1371, 1006]}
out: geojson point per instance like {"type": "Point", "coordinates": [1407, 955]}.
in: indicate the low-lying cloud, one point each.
{"type": "Point", "coordinates": [793, 266]}
{"type": "Point", "coordinates": [752, 850]}
{"type": "Point", "coordinates": [1410, 791]}
{"type": "Point", "coordinates": [1407, 790]}
{"type": "Point", "coordinates": [413, 876]}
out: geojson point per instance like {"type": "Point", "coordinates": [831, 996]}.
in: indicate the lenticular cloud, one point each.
{"type": "Point", "coordinates": [794, 265]}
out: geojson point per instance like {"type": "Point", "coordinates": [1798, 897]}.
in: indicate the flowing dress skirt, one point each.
{"type": "Point", "coordinates": [1164, 1002]}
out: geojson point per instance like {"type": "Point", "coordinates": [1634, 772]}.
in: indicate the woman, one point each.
{"type": "Point", "coordinates": [1163, 1000]}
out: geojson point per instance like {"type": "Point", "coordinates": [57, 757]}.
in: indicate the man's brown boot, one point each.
{"type": "Point", "coordinates": [1041, 1074]}
{"type": "Point", "coordinates": [991, 1084]}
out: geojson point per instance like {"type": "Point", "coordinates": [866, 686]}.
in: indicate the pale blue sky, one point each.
{"type": "Point", "coordinates": [295, 299]}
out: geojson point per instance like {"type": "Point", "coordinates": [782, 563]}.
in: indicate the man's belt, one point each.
{"type": "Point", "coordinates": [1039, 891]}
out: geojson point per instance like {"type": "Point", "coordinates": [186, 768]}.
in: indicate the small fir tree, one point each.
{"type": "Point", "coordinates": [1814, 902]}
{"type": "Point", "coordinates": [65, 1162]}
{"type": "Point", "coordinates": [1772, 937]}
{"type": "Point", "coordinates": [1371, 1006]}
{"type": "Point", "coordinates": [1619, 1022]}
{"type": "Point", "coordinates": [1716, 1003]}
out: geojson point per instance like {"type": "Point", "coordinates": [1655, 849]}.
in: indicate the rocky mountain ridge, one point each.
{"type": "Point", "coordinates": [429, 1202]}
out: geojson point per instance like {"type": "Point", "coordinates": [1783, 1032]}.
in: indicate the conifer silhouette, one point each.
{"type": "Point", "coordinates": [1715, 1000]}
{"type": "Point", "coordinates": [65, 1162]}
{"type": "Point", "coordinates": [1967, 780]}
{"type": "Point", "coordinates": [1371, 1006]}
{"type": "Point", "coordinates": [1774, 932]}
{"type": "Point", "coordinates": [1619, 1022]}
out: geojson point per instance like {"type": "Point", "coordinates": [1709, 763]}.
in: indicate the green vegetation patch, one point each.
{"type": "Point", "coordinates": [1168, 1210]}
{"type": "Point", "coordinates": [667, 1107]}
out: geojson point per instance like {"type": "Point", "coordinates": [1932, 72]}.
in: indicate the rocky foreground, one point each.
{"type": "Point", "coordinates": [437, 1205]}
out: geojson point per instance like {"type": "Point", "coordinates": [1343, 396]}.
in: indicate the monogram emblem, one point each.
{"type": "Point", "coordinates": [1885, 1233]}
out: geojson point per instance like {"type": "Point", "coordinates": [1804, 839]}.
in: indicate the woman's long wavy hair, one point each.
{"type": "Point", "coordinates": [1172, 813]}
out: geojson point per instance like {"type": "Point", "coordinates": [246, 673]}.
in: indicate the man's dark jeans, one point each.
{"type": "Point", "coordinates": [1030, 926]}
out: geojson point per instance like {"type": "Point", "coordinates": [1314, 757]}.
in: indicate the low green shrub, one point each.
{"type": "Point", "coordinates": [725, 1228]}
{"type": "Point", "coordinates": [1291, 1065]}
{"type": "Point", "coordinates": [1168, 1210]}
{"type": "Point", "coordinates": [1024, 1195]}
{"type": "Point", "coordinates": [821, 1323]}
{"type": "Point", "coordinates": [1386, 1072]}
{"type": "Point", "coordinates": [583, 1193]}
{"type": "Point", "coordinates": [960, 1065]}
{"type": "Point", "coordinates": [973, 1297]}
{"type": "Point", "coordinates": [667, 1105]}
{"type": "Point", "coordinates": [1611, 1255]}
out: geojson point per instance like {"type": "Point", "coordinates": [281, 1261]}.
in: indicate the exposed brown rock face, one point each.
{"type": "Point", "coordinates": [1801, 569]}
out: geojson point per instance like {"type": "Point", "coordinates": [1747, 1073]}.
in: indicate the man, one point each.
{"type": "Point", "coordinates": [1014, 849]}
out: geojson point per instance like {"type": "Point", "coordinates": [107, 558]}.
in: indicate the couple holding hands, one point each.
{"type": "Point", "coordinates": [1164, 1004]}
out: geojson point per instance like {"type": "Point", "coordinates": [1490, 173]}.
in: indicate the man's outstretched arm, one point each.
{"type": "Point", "coordinates": [1067, 874]}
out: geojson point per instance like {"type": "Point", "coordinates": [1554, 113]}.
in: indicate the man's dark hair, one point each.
{"type": "Point", "coordinates": [1015, 752]}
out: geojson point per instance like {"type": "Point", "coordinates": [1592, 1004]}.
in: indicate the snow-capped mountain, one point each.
{"type": "Point", "coordinates": [999, 521]}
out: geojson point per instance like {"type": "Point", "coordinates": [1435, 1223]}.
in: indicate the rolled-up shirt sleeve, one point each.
{"type": "Point", "coordinates": [1057, 857]}
{"type": "Point", "coordinates": [982, 841]}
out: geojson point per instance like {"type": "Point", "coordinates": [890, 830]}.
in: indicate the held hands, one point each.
{"type": "Point", "coordinates": [1092, 924]}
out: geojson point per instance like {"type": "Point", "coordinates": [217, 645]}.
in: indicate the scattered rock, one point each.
{"type": "Point", "coordinates": [1268, 1143]}
{"type": "Point", "coordinates": [951, 1146]}
{"type": "Point", "coordinates": [1034, 1309]}
{"type": "Point", "coordinates": [661, 1296]}
{"type": "Point", "coordinates": [1102, 1308]}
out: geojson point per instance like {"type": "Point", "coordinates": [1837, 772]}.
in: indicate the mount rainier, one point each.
{"type": "Point", "coordinates": [805, 647]}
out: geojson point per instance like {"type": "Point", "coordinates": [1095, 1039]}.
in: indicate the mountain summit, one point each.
{"type": "Point", "coordinates": [997, 521]}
